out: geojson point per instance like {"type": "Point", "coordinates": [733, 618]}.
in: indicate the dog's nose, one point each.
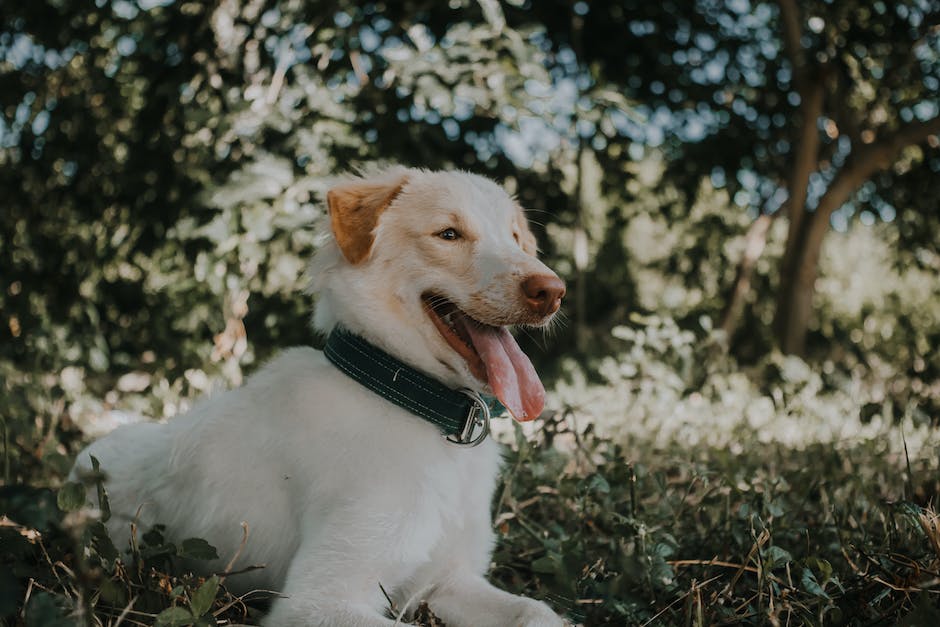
{"type": "Point", "coordinates": [543, 293]}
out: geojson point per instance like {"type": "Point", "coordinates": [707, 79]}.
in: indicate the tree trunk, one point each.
{"type": "Point", "coordinates": [808, 229]}
{"type": "Point", "coordinates": [798, 284]}
{"type": "Point", "coordinates": [754, 242]}
{"type": "Point", "coordinates": [798, 269]}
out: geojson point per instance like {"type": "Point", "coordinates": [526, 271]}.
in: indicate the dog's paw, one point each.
{"type": "Point", "coordinates": [537, 614]}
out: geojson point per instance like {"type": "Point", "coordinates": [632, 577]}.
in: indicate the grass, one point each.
{"type": "Point", "coordinates": [784, 497]}
{"type": "Point", "coordinates": [702, 537]}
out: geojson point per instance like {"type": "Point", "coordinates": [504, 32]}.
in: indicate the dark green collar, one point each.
{"type": "Point", "coordinates": [463, 416]}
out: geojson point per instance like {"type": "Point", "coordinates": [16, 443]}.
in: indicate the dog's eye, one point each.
{"type": "Point", "coordinates": [449, 234]}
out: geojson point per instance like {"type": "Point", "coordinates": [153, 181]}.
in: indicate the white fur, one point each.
{"type": "Point", "coordinates": [342, 490]}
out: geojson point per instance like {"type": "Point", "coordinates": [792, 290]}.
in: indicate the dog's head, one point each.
{"type": "Point", "coordinates": [434, 267]}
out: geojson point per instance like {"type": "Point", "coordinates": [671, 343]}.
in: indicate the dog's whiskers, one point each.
{"type": "Point", "coordinates": [538, 339]}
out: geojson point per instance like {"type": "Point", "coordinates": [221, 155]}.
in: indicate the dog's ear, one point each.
{"type": "Point", "coordinates": [355, 208]}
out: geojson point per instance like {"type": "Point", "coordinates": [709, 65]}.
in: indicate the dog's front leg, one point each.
{"type": "Point", "coordinates": [324, 589]}
{"type": "Point", "coordinates": [322, 612]}
{"type": "Point", "coordinates": [468, 600]}
{"type": "Point", "coordinates": [324, 608]}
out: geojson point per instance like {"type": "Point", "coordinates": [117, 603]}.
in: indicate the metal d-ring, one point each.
{"type": "Point", "coordinates": [478, 419]}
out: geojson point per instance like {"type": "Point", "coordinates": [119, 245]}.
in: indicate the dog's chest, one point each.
{"type": "Point", "coordinates": [462, 484]}
{"type": "Point", "coordinates": [451, 492]}
{"type": "Point", "coordinates": [366, 473]}
{"type": "Point", "coordinates": [447, 518]}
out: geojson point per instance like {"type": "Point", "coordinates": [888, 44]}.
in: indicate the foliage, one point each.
{"type": "Point", "coordinates": [721, 75]}
{"type": "Point", "coordinates": [63, 569]}
{"type": "Point", "coordinates": [162, 165]}
{"type": "Point", "coordinates": [884, 316]}
{"type": "Point", "coordinates": [678, 493]}
{"type": "Point", "coordinates": [620, 536]}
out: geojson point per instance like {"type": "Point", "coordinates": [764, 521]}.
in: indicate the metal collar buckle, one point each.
{"type": "Point", "coordinates": [477, 425]}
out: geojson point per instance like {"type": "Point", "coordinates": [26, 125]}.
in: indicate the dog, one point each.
{"type": "Point", "coordinates": [349, 491]}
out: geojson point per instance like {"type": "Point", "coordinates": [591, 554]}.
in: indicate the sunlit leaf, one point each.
{"type": "Point", "coordinates": [71, 496]}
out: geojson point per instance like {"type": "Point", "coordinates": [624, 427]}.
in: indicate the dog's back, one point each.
{"type": "Point", "coordinates": [184, 473]}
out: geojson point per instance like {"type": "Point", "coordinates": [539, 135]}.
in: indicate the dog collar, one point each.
{"type": "Point", "coordinates": [463, 416]}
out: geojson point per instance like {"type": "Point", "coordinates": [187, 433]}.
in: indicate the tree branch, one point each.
{"type": "Point", "coordinates": [806, 155]}
{"type": "Point", "coordinates": [876, 156]}
{"type": "Point", "coordinates": [812, 98]}
{"type": "Point", "coordinates": [790, 22]}
{"type": "Point", "coordinates": [910, 133]}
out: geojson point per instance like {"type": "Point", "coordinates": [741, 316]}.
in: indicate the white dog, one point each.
{"type": "Point", "coordinates": [339, 460]}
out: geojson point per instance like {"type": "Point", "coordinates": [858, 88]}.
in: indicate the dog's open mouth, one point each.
{"type": "Point", "coordinates": [492, 355]}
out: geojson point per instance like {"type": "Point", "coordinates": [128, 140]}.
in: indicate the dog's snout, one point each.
{"type": "Point", "coordinates": [543, 293]}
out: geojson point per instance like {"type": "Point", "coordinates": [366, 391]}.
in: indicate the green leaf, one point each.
{"type": "Point", "coordinates": [809, 583]}
{"type": "Point", "coordinates": [197, 549]}
{"type": "Point", "coordinates": [112, 593]}
{"type": "Point", "coordinates": [547, 564]}
{"type": "Point", "coordinates": [823, 567]}
{"type": "Point", "coordinates": [202, 599]}
{"type": "Point", "coordinates": [71, 497]}
{"type": "Point", "coordinates": [174, 617]}
{"type": "Point", "coordinates": [660, 572]}
{"type": "Point", "coordinates": [664, 549]}
{"type": "Point", "coordinates": [775, 557]}
{"type": "Point", "coordinates": [161, 550]}
{"type": "Point", "coordinates": [596, 483]}
{"type": "Point", "coordinates": [47, 610]}
{"type": "Point", "coordinates": [104, 504]}
{"type": "Point", "coordinates": [154, 536]}
{"type": "Point", "coordinates": [102, 543]}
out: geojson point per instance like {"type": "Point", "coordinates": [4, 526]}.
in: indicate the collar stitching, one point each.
{"type": "Point", "coordinates": [406, 372]}
{"type": "Point", "coordinates": [352, 370]}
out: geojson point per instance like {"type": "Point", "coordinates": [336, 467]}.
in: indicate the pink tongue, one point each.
{"type": "Point", "coordinates": [509, 372]}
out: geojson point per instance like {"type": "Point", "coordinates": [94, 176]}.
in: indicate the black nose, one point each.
{"type": "Point", "coordinates": [543, 293]}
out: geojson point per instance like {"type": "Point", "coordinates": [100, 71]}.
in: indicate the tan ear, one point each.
{"type": "Point", "coordinates": [355, 208]}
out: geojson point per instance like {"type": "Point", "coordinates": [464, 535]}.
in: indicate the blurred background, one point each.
{"type": "Point", "coordinates": [741, 194]}
{"type": "Point", "coordinates": [750, 180]}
